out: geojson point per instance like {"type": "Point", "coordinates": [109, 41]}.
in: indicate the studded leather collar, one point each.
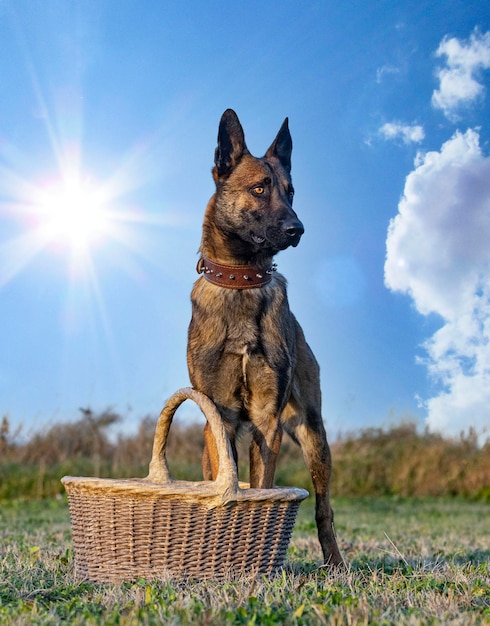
{"type": "Point", "coordinates": [234, 276]}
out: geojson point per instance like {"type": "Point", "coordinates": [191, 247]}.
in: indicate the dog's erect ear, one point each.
{"type": "Point", "coordinates": [231, 143]}
{"type": "Point", "coordinates": [282, 146]}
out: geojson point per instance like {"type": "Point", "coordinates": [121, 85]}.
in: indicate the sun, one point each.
{"type": "Point", "coordinates": [64, 215]}
{"type": "Point", "coordinates": [80, 219]}
{"type": "Point", "coordinates": [73, 213]}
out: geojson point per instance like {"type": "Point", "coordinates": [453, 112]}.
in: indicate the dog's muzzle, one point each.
{"type": "Point", "coordinates": [293, 229]}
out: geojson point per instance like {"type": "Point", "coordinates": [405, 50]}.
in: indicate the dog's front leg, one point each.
{"type": "Point", "coordinates": [264, 448]}
{"type": "Point", "coordinates": [266, 386]}
{"type": "Point", "coordinates": [210, 459]}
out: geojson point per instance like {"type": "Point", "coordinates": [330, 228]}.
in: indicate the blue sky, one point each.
{"type": "Point", "coordinates": [108, 123]}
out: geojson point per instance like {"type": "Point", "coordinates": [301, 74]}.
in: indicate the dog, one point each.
{"type": "Point", "coordinates": [246, 351]}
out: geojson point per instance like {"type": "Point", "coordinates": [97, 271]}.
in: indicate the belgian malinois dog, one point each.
{"type": "Point", "coordinates": [246, 351]}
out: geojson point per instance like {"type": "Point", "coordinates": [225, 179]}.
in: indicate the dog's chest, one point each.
{"type": "Point", "coordinates": [240, 322]}
{"type": "Point", "coordinates": [244, 319]}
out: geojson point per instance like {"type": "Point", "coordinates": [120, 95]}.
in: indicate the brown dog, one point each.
{"type": "Point", "coordinates": [246, 351]}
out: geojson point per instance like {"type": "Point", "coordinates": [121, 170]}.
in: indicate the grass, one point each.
{"type": "Point", "coordinates": [409, 562]}
{"type": "Point", "coordinates": [398, 461]}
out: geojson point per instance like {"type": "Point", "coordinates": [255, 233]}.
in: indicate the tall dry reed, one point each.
{"type": "Point", "coordinates": [397, 461]}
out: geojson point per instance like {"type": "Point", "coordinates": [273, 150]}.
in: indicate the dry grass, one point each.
{"type": "Point", "coordinates": [399, 461]}
{"type": "Point", "coordinates": [409, 562]}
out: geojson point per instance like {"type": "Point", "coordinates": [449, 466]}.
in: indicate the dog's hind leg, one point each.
{"type": "Point", "coordinates": [316, 452]}
{"type": "Point", "coordinates": [306, 428]}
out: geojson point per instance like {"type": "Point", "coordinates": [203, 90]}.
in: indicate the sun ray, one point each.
{"type": "Point", "coordinates": [94, 301]}
{"type": "Point", "coordinates": [18, 252]}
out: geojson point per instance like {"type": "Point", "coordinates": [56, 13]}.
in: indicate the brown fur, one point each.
{"type": "Point", "coordinates": [246, 350]}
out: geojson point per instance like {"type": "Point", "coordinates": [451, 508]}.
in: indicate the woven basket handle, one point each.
{"type": "Point", "coordinates": [227, 479]}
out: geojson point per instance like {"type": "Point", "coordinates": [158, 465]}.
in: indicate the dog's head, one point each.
{"type": "Point", "coordinates": [254, 196]}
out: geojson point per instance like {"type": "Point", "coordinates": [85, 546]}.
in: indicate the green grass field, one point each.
{"type": "Point", "coordinates": [409, 562]}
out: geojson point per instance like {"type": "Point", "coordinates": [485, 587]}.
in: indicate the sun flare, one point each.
{"type": "Point", "coordinates": [73, 213]}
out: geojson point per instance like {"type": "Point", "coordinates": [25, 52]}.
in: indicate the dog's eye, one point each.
{"type": "Point", "coordinates": [259, 190]}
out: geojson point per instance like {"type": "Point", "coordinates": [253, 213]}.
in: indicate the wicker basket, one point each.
{"type": "Point", "coordinates": [157, 527]}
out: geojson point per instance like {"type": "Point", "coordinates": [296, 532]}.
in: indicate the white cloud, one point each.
{"type": "Point", "coordinates": [409, 134]}
{"type": "Point", "coordinates": [438, 252]}
{"type": "Point", "coordinates": [381, 72]}
{"type": "Point", "coordinates": [459, 85]}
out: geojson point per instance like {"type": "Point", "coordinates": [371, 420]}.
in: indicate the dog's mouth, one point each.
{"type": "Point", "coordinates": [280, 244]}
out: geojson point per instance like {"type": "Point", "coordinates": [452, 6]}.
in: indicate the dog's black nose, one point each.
{"type": "Point", "coordinates": [294, 229]}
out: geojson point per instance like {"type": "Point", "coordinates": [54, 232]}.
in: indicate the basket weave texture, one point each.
{"type": "Point", "coordinates": [156, 527]}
